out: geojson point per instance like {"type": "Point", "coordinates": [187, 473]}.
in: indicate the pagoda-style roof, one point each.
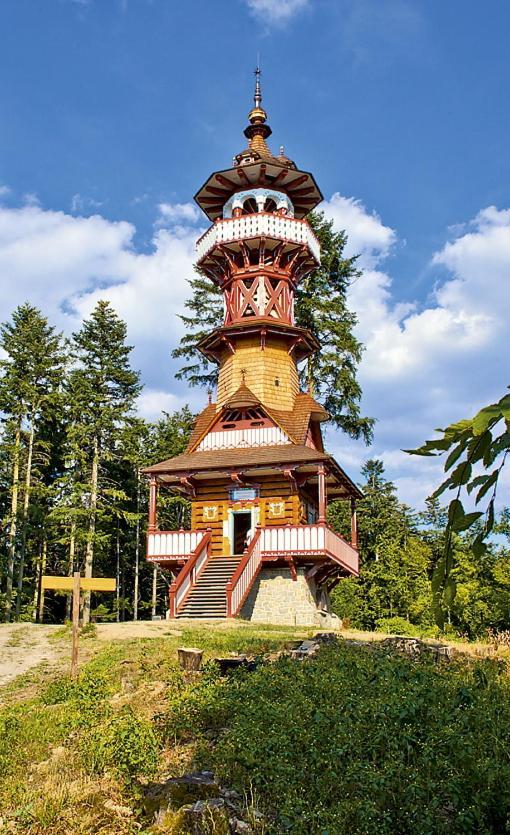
{"type": "Point", "coordinates": [271, 172]}
{"type": "Point", "coordinates": [252, 462]}
{"type": "Point", "coordinates": [212, 344]}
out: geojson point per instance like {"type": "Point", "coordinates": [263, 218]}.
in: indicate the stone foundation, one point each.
{"type": "Point", "coordinates": [277, 598]}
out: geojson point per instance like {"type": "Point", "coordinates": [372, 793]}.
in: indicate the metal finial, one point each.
{"type": "Point", "coordinates": [257, 98]}
{"type": "Point", "coordinates": [282, 151]}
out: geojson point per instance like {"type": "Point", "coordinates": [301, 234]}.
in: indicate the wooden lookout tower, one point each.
{"type": "Point", "coordinates": [255, 469]}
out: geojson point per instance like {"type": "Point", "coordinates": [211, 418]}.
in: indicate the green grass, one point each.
{"type": "Point", "coordinates": [356, 741]}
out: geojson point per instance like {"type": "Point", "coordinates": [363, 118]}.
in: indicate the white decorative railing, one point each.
{"type": "Point", "coordinates": [315, 540]}
{"type": "Point", "coordinates": [189, 575]}
{"type": "Point", "coordinates": [172, 544]}
{"type": "Point", "coordinates": [242, 580]}
{"type": "Point", "coordinates": [289, 541]}
{"type": "Point", "coordinates": [235, 438]}
{"type": "Point", "coordinates": [255, 225]}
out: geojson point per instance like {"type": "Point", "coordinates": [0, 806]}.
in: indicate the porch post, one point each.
{"type": "Point", "coordinates": [354, 525]}
{"type": "Point", "coordinates": [153, 493]}
{"type": "Point", "coordinates": [322, 492]}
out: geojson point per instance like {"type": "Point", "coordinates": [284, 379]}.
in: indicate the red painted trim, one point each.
{"type": "Point", "coordinates": [237, 574]}
{"type": "Point", "coordinates": [187, 569]}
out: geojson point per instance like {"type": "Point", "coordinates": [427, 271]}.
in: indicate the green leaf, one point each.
{"type": "Point", "coordinates": [461, 474]}
{"type": "Point", "coordinates": [478, 546]}
{"type": "Point", "coordinates": [486, 417]}
{"type": "Point", "coordinates": [476, 482]}
{"type": "Point", "coordinates": [455, 511]}
{"type": "Point", "coordinates": [491, 481]}
{"type": "Point", "coordinates": [454, 455]}
{"type": "Point", "coordinates": [490, 517]}
{"type": "Point", "coordinates": [447, 484]}
{"type": "Point", "coordinates": [450, 590]}
{"type": "Point", "coordinates": [431, 447]}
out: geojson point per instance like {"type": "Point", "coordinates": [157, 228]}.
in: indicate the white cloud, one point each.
{"type": "Point", "coordinates": [171, 214]}
{"type": "Point", "coordinates": [152, 402]}
{"type": "Point", "coordinates": [368, 237]}
{"type": "Point", "coordinates": [276, 11]}
{"type": "Point", "coordinates": [81, 204]}
{"type": "Point", "coordinates": [64, 264]}
{"type": "Point", "coordinates": [426, 365]}
{"type": "Point", "coordinates": [4, 191]}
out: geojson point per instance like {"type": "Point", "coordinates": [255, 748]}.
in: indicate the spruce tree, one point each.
{"type": "Point", "coordinates": [102, 390]}
{"type": "Point", "coordinates": [320, 306]}
{"type": "Point", "coordinates": [30, 378]}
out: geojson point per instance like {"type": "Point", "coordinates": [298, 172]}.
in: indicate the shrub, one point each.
{"type": "Point", "coordinates": [361, 742]}
{"type": "Point", "coordinates": [124, 743]}
{"type": "Point", "coordinates": [401, 626]}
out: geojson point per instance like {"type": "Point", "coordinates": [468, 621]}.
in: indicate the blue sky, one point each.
{"type": "Point", "coordinates": [115, 111]}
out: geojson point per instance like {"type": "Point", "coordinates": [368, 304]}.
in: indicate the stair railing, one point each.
{"type": "Point", "coordinates": [244, 576]}
{"type": "Point", "coordinates": [189, 574]}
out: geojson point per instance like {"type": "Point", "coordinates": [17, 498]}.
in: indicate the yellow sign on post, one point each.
{"type": "Point", "coordinates": [77, 584]}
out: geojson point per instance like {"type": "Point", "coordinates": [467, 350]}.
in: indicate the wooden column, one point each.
{"type": "Point", "coordinates": [354, 525]}
{"type": "Point", "coordinates": [153, 494]}
{"type": "Point", "coordinates": [321, 471]}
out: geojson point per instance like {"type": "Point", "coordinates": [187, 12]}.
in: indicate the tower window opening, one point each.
{"type": "Point", "coordinates": [270, 205]}
{"type": "Point", "coordinates": [250, 207]}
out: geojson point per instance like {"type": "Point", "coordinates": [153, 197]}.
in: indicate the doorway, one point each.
{"type": "Point", "coordinates": [241, 527]}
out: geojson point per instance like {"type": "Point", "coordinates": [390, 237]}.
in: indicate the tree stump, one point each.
{"type": "Point", "coordinates": [190, 659]}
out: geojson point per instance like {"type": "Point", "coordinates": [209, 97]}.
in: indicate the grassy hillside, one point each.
{"type": "Point", "coordinates": [356, 741]}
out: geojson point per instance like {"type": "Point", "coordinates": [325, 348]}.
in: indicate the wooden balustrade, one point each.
{"type": "Point", "coordinates": [255, 225]}
{"type": "Point", "coordinates": [172, 545]}
{"type": "Point", "coordinates": [189, 574]}
{"type": "Point", "coordinates": [244, 576]}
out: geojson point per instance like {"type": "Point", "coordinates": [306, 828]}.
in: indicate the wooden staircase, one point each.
{"type": "Point", "coordinates": [208, 598]}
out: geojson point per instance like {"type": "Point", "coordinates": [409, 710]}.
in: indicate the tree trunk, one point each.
{"type": "Point", "coordinates": [154, 590]}
{"type": "Point", "coordinates": [12, 528]}
{"type": "Point", "coordinates": [43, 569]}
{"type": "Point", "coordinates": [117, 593]}
{"type": "Point", "coordinates": [24, 518]}
{"type": "Point", "coordinates": [89, 551]}
{"type": "Point", "coordinates": [136, 590]}
{"type": "Point", "coordinates": [37, 584]}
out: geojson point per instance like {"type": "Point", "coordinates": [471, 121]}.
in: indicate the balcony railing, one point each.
{"type": "Point", "coordinates": [188, 576]}
{"type": "Point", "coordinates": [172, 545]}
{"type": "Point", "coordinates": [256, 225]}
{"type": "Point", "coordinates": [288, 540]}
{"type": "Point", "coordinates": [283, 540]}
{"type": "Point", "coordinates": [309, 540]}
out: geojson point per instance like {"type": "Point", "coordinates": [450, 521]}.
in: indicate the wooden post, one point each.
{"type": "Point", "coordinates": [153, 493]}
{"type": "Point", "coordinates": [354, 525]}
{"type": "Point", "coordinates": [76, 623]}
{"type": "Point", "coordinates": [77, 584]}
{"type": "Point", "coordinates": [322, 492]}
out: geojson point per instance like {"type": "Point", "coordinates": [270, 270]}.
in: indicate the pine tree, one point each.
{"type": "Point", "coordinates": [394, 560]}
{"type": "Point", "coordinates": [321, 306]}
{"type": "Point", "coordinates": [102, 390]}
{"type": "Point", "coordinates": [31, 375]}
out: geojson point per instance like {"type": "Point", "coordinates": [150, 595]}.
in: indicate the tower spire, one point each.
{"type": "Point", "coordinates": [257, 98]}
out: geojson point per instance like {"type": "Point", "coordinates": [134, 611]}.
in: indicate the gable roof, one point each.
{"type": "Point", "coordinates": [294, 423]}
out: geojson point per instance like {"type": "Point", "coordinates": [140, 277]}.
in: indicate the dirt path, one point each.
{"type": "Point", "coordinates": [23, 646]}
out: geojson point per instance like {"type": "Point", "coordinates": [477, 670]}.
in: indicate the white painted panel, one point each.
{"type": "Point", "coordinates": [242, 438]}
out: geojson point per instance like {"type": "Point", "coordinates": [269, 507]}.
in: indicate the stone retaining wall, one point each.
{"type": "Point", "coordinates": [277, 598]}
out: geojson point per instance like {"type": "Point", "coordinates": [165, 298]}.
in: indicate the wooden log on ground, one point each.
{"type": "Point", "coordinates": [190, 658]}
